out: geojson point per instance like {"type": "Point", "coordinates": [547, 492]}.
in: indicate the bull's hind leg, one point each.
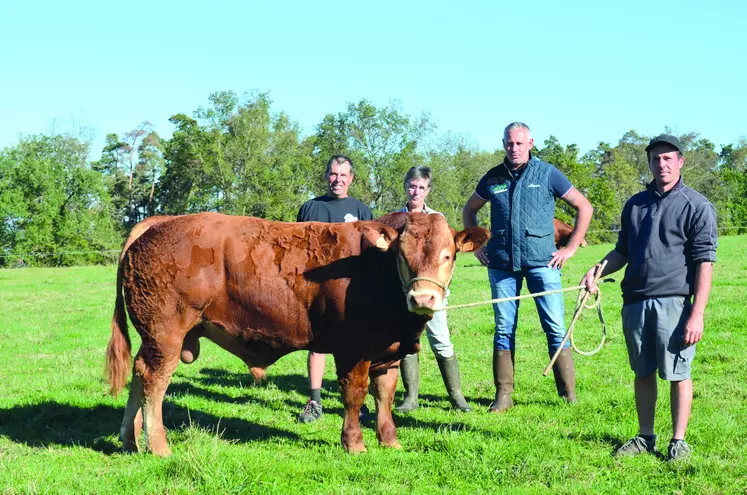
{"type": "Point", "coordinates": [132, 423]}
{"type": "Point", "coordinates": [383, 385]}
{"type": "Point", "coordinates": [155, 369]}
{"type": "Point", "coordinates": [353, 381]}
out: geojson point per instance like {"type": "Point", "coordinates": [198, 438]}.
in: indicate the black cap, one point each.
{"type": "Point", "coordinates": [665, 138]}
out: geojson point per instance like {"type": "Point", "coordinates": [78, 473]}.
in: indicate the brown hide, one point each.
{"type": "Point", "coordinates": [262, 289]}
{"type": "Point", "coordinates": [563, 233]}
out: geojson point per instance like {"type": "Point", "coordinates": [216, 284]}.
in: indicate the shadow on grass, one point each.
{"type": "Point", "coordinates": [210, 377]}
{"type": "Point", "coordinates": [286, 383]}
{"type": "Point", "coordinates": [53, 423]}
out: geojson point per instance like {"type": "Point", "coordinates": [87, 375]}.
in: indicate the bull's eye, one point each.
{"type": "Point", "coordinates": [447, 257]}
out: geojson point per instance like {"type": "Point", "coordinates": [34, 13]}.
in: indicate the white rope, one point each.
{"type": "Point", "coordinates": [514, 298]}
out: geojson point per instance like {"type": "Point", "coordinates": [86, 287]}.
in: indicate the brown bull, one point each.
{"type": "Point", "coordinates": [563, 233]}
{"type": "Point", "coordinates": [361, 291]}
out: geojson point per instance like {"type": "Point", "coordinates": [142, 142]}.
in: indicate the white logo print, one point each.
{"type": "Point", "coordinates": [349, 217]}
{"type": "Point", "coordinates": [533, 185]}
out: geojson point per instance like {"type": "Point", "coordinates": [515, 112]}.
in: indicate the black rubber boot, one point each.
{"type": "Point", "coordinates": [409, 368]}
{"type": "Point", "coordinates": [450, 372]}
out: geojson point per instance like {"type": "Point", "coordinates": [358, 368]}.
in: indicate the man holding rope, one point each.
{"type": "Point", "coordinates": [668, 241]}
{"type": "Point", "coordinates": [522, 192]}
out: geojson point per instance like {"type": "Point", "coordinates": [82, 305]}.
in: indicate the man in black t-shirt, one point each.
{"type": "Point", "coordinates": [335, 206]}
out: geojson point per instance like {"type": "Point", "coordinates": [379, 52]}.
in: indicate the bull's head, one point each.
{"type": "Point", "coordinates": [426, 254]}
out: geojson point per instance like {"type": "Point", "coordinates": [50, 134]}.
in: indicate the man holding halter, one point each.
{"type": "Point", "coordinates": [522, 191]}
{"type": "Point", "coordinates": [668, 241]}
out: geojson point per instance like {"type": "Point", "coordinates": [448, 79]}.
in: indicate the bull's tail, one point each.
{"type": "Point", "coordinates": [118, 352]}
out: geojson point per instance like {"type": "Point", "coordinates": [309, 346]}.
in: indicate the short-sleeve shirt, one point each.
{"type": "Point", "coordinates": [559, 183]}
{"type": "Point", "coordinates": [326, 209]}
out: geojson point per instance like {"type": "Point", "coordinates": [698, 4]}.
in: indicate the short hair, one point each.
{"type": "Point", "coordinates": [515, 125]}
{"type": "Point", "coordinates": [339, 160]}
{"type": "Point", "coordinates": [416, 173]}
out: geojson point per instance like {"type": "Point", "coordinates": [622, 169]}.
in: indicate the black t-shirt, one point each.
{"type": "Point", "coordinates": [326, 209]}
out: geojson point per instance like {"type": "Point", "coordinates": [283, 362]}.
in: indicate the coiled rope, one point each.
{"type": "Point", "coordinates": [581, 304]}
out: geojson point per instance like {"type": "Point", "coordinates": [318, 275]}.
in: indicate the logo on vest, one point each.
{"type": "Point", "coordinates": [498, 188]}
{"type": "Point", "coordinates": [533, 185]}
{"type": "Point", "coordinates": [349, 217]}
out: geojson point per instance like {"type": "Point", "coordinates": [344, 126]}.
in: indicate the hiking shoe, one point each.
{"type": "Point", "coordinates": [636, 445]}
{"type": "Point", "coordinates": [312, 411]}
{"type": "Point", "coordinates": [678, 450]}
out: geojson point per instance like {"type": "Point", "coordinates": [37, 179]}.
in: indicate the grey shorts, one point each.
{"type": "Point", "coordinates": [654, 333]}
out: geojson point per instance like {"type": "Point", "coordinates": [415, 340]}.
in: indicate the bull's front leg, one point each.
{"type": "Point", "coordinates": [353, 382]}
{"type": "Point", "coordinates": [383, 387]}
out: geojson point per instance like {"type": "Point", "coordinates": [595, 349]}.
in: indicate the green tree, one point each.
{"type": "Point", "coordinates": [237, 157]}
{"type": "Point", "coordinates": [383, 144]}
{"type": "Point", "coordinates": [185, 186]}
{"type": "Point", "coordinates": [60, 205]}
{"type": "Point", "coordinates": [457, 168]}
{"type": "Point", "coordinates": [731, 204]}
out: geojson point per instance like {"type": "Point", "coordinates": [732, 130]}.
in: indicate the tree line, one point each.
{"type": "Point", "coordinates": [238, 156]}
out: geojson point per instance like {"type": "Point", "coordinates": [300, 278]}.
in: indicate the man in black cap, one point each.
{"type": "Point", "coordinates": [668, 241]}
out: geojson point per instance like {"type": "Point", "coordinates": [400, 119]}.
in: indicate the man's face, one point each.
{"type": "Point", "coordinates": [665, 165]}
{"type": "Point", "coordinates": [416, 191]}
{"type": "Point", "coordinates": [339, 178]}
{"type": "Point", "coordinates": [518, 143]}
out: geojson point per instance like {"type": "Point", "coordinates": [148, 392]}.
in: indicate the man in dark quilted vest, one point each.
{"type": "Point", "coordinates": [522, 191]}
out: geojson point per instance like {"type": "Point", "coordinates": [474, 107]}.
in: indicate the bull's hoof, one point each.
{"type": "Point", "coordinates": [392, 445]}
{"type": "Point", "coordinates": [355, 449]}
{"type": "Point", "coordinates": [259, 374]}
{"type": "Point", "coordinates": [130, 446]}
{"type": "Point", "coordinates": [161, 451]}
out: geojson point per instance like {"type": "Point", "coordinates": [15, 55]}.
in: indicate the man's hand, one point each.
{"type": "Point", "coordinates": [694, 329]}
{"type": "Point", "coordinates": [482, 256]}
{"type": "Point", "coordinates": [560, 256]}
{"type": "Point", "coordinates": [588, 279]}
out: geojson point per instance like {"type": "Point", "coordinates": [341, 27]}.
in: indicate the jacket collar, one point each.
{"type": "Point", "coordinates": [652, 188]}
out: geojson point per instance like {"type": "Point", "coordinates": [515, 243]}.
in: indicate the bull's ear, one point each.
{"type": "Point", "coordinates": [378, 235]}
{"type": "Point", "coordinates": [471, 239]}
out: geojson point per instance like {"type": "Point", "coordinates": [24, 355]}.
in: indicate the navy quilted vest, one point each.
{"type": "Point", "coordinates": [522, 232]}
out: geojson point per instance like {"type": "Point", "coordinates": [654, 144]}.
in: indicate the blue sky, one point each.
{"type": "Point", "coordinates": [584, 71]}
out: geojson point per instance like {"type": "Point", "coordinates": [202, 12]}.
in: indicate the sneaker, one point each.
{"type": "Point", "coordinates": [636, 445]}
{"type": "Point", "coordinates": [678, 450]}
{"type": "Point", "coordinates": [312, 411]}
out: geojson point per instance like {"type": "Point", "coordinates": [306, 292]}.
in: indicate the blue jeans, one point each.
{"type": "Point", "coordinates": [551, 308]}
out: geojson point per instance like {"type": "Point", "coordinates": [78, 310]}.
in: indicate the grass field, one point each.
{"type": "Point", "coordinates": [59, 428]}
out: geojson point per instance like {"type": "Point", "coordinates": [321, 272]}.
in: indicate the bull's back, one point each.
{"type": "Point", "coordinates": [246, 275]}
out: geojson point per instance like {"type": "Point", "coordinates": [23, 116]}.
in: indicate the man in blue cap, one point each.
{"type": "Point", "coordinates": [668, 241]}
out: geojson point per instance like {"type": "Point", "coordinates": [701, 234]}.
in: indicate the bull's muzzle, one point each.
{"type": "Point", "coordinates": [424, 301]}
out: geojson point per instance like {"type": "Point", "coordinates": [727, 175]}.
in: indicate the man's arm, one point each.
{"type": "Point", "coordinates": [584, 210]}
{"type": "Point", "coordinates": [469, 219]}
{"type": "Point", "coordinates": [615, 261]}
{"type": "Point", "coordinates": [694, 325]}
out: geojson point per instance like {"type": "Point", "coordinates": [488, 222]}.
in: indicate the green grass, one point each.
{"type": "Point", "coordinates": [59, 428]}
